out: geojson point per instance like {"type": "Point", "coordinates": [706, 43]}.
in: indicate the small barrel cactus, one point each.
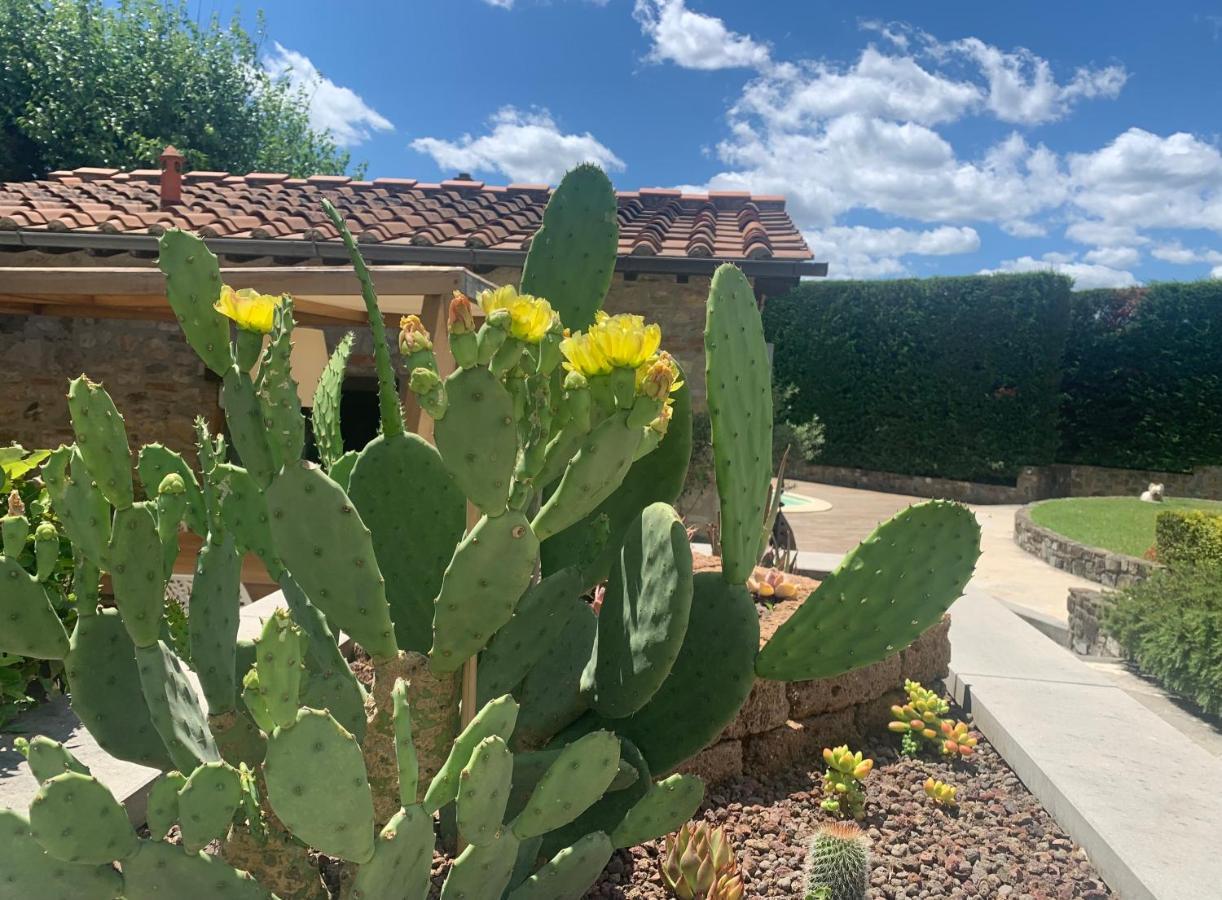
{"type": "Point", "coordinates": [838, 862]}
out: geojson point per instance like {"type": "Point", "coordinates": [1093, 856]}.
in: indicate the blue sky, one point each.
{"type": "Point", "coordinates": [910, 138]}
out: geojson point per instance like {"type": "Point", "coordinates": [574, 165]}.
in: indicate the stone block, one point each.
{"type": "Point", "coordinates": [782, 747]}
{"type": "Point", "coordinates": [871, 718]}
{"type": "Point", "coordinates": [927, 659]}
{"type": "Point", "coordinates": [720, 762]}
{"type": "Point", "coordinates": [766, 708]}
{"type": "Point", "coordinates": [812, 698]}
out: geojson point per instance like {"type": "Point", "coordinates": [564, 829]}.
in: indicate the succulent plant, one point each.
{"type": "Point", "coordinates": [843, 791]}
{"type": "Point", "coordinates": [570, 448]}
{"type": "Point", "coordinates": [837, 864]}
{"type": "Point", "coordinates": [920, 723]}
{"type": "Point", "coordinates": [699, 863]}
{"type": "Point", "coordinates": [941, 793]}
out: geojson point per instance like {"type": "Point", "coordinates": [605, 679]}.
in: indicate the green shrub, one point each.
{"type": "Point", "coordinates": [806, 438]}
{"type": "Point", "coordinates": [1188, 537]}
{"type": "Point", "coordinates": [1143, 377]}
{"type": "Point", "coordinates": [1171, 626]}
{"type": "Point", "coordinates": [953, 377]}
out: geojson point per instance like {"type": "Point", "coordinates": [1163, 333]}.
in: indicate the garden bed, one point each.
{"type": "Point", "coordinates": [999, 843]}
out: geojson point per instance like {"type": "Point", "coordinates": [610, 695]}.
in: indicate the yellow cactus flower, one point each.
{"type": "Point", "coordinates": [530, 318]}
{"type": "Point", "coordinates": [249, 309]}
{"type": "Point", "coordinates": [582, 356]}
{"type": "Point", "coordinates": [413, 336]}
{"type": "Point", "coordinates": [625, 340]}
{"type": "Point", "coordinates": [658, 376]}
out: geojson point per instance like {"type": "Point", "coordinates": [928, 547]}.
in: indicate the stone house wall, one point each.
{"type": "Point", "coordinates": [160, 386]}
{"type": "Point", "coordinates": [782, 723]}
{"type": "Point", "coordinates": [1103, 566]}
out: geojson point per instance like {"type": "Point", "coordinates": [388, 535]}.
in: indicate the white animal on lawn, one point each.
{"type": "Point", "coordinates": [1153, 494]}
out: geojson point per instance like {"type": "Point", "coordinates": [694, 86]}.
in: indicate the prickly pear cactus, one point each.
{"type": "Point", "coordinates": [563, 436]}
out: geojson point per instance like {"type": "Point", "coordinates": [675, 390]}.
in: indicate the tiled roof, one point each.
{"type": "Point", "coordinates": [393, 211]}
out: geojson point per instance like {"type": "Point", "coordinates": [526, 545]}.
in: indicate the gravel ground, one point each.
{"type": "Point", "coordinates": [999, 843]}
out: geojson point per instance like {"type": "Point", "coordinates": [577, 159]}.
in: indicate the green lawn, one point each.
{"type": "Point", "coordinates": [1119, 524]}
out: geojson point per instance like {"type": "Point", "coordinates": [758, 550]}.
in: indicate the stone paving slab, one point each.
{"type": "Point", "coordinates": [1144, 803]}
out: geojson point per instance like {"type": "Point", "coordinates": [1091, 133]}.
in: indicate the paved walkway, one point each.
{"type": "Point", "coordinates": [1006, 572]}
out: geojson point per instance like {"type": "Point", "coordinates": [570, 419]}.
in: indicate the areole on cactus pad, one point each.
{"type": "Point", "coordinates": [569, 431]}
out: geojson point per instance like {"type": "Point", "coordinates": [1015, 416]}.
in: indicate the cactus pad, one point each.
{"type": "Point", "coordinates": [593, 474]}
{"type": "Point", "coordinates": [402, 859]}
{"type": "Point", "coordinates": [48, 758]}
{"type": "Point", "coordinates": [279, 660]}
{"type": "Point", "coordinates": [323, 541]}
{"type": "Point", "coordinates": [894, 585]}
{"type": "Point", "coordinates": [82, 509]}
{"type": "Point", "coordinates": [644, 614]}
{"type": "Point", "coordinates": [28, 623]}
{"type": "Point", "coordinates": [317, 785]}
{"type": "Point", "coordinates": [246, 427]}
{"type": "Point", "coordinates": [477, 439]}
{"type": "Point", "coordinates": [101, 439]}
{"type": "Point", "coordinates": [491, 568]}
{"type": "Point", "coordinates": [739, 384]}
{"type": "Point", "coordinates": [669, 804]}
{"type": "Point", "coordinates": [416, 516]}
{"type": "Point", "coordinates": [541, 615]}
{"type": "Point", "coordinates": [483, 791]}
{"type": "Point", "coordinates": [243, 511]}
{"type": "Point", "coordinates": [579, 776]}
{"type": "Point", "coordinates": [569, 873]}
{"type": "Point", "coordinates": [104, 683]}
{"type": "Point", "coordinates": [278, 397]}
{"type": "Point", "coordinates": [162, 810]}
{"type": "Point", "coordinates": [325, 417]}
{"type": "Point", "coordinates": [173, 708]}
{"type": "Point", "coordinates": [483, 872]}
{"type": "Point", "coordinates": [193, 285]}
{"type": "Point", "coordinates": [206, 804]}
{"type": "Point", "coordinates": [155, 463]}
{"type": "Point", "coordinates": [550, 694]}
{"type": "Point", "coordinates": [709, 682]}
{"type": "Point", "coordinates": [77, 820]}
{"type": "Point", "coordinates": [213, 622]}
{"type": "Point", "coordinates": [497, 717]}
{"type": "Point", "coordinates": [572, 257]}
{"type": "Point", "coordinates": [160, 870]}
{"type": "Point", "coordinates": [136, 572]}
{"type": "Point", "coordinates": [27, 871]}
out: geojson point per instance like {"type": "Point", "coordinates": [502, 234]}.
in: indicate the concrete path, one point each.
{"type": "Point", "coordinates": [1145, 804]}
{"type": "Point", "coordinates": [1013, 576]}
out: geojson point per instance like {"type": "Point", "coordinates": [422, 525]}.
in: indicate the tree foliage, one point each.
{"type": "Point", "coordinates": [86, 83]}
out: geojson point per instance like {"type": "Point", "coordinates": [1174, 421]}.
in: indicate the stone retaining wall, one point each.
{"type": "Point", "coordinates": [1086, 634]}
{"type": "Point", "coordinates": [1033, 483]}
{"type": "Point", "coordinates": [782, 723]}
{"type": "Point", "coordinates": [1103, 566]}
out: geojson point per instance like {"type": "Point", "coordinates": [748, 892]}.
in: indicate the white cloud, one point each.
{"type": "Point", "coordinates": [1084, 275]}
{"type": "Point", "coordinates": [1150, 181]}
{"type": "Point", "coordinates": [337, 109]}
{"type": "Point", "coordinates": [1022, 88]}
{"type": "Point", "coordinates": [862, 252]}
{"type": "Point", "coordinates": [1114, 257]}
{"type": "Point", "coordinates": [500, 4]}
{"type": "Point", "coordinates": [1103, 234]}
{"type": "Point", "coordinates": [694, 40]}
{"type": "Point", "coordinates": [1180, 255]}
{"type": "Point", "coordinates": [1215, 272]}
{"type": "Point", "coordinates": [524, 145]}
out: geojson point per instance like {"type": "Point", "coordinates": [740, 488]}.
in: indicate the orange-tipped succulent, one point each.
{"type": "Point", "coordinates": [957, 739]}
{"type": "Point", "coordinates": [699, 864]}
{"type": "Point", "coordinates": [843, 792]}
{"type": "Point", "coordinates": [772, 584]}
{"type": "Point", "coordinates": [941, 793]}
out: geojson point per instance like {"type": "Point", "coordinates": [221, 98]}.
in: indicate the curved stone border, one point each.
{"type": "Point", "coordinates": [1103, 566]}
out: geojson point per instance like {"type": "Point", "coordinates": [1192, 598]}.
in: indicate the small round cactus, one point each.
{"type": "Point", "coordinates": [838, 863]}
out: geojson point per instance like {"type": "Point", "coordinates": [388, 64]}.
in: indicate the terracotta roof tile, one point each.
{"type": "Point", "coordinates": [459, 212]}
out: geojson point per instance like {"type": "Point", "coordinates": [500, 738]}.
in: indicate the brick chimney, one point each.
{"type": "Point", "coordinates": [171, 177]}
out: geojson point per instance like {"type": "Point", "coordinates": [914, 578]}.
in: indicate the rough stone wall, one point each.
{"type": "Point", "coordinates": [156, 380]}
{"type": "Point", "coordinates": [1086, 634]}
{"type": "Point", "coordinates": [784, 723]}
{"type": "Point", "coordinates": [1103, 566]}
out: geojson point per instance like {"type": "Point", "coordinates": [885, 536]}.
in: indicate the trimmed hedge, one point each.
{"type": "Point", "coordinates": [952, 377]}
{"type": "Point", "coordinates": [1143, 377]}
{"type": "Point", "coordinates": [1171, 626]}
{"type": "Point", "coordinates": [1188, 537]}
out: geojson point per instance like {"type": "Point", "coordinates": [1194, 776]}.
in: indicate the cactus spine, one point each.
{"type": "Point", "coordinates": [838, 863]}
